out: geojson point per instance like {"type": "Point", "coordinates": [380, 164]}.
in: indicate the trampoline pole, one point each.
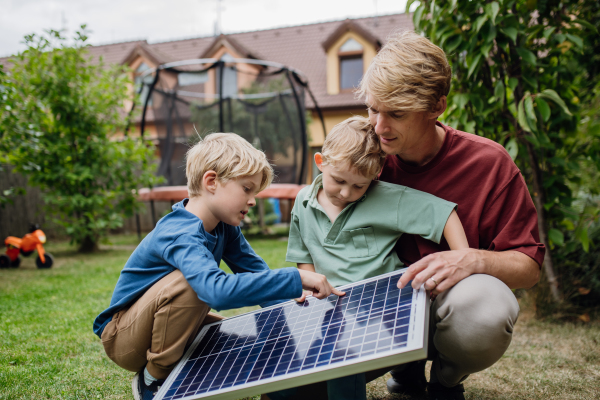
{"type": "Point", "coordinates": [303, 128]}
{"type": "Point", "coordinates": [138, 225]}
{"type": "Point", "coordinates": [147, 100]}
{"type": "Point", "coordinates": [221, 71]}
{"type": "Point", "coordinates": [152, 212]}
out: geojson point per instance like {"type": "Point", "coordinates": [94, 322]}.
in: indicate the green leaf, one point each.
{"type": "Point", "coordinates": [479, 22]}
{"type": "Point", "coordinates": [512, 147]}
{"type": "Point", "coordinates": [511, 33]}
{"type": "Point", "coordinates": [417, 15]}
{"type": "Point", "coordinates": [582, 235]}
{"type": "Point", "coordinates": [521, 116]}
{"type": "Point", "coordinates": [526, 55]}
{"type": "Point", "coordinates": [461, 100]}
{"type": "Point", "coordinates": [491, 33]}
{"type": "Point", "coordinates": [556, 237]}
{"type": "Point", "coordinates": [474, 65]}
{"type": "Point", "coordinates": [491, 10]}
{"type": "Point", "coordinates": [587, 25]}
{"type": "Point", "coordinates": [560, 38]}
{"type": "Point", "coordinates": [543, 108]}
{"type": "Point", "coordinates": [548, 32]}
{"type": "Point", "coordinates": [408, 4]}
{"type": "Point", "coordinates": [499, 91]}
{"type": "Point", "coordinates": [512, 83]}
{"type": "Point", "coordinates": [552, 95]}
{"type": "Point", "coordinates": [575, 39]}
{"type": "Point", "coordinates": [529, 111]}
{"type": "Point", "coordinates": [453, 44]}
{"type": "Point", "coordinates": [485, 49]}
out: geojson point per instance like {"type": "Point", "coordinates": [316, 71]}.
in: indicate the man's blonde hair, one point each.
{"type": "Point", "coordinates": [354, 143]}
{"type": "Point", "coordinates": [409, 73]}
{"type": "Point", "coordinates": [230, 156]}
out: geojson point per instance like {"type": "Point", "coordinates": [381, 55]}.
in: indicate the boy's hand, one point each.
{"type": "Point", "coordinates": [305, 294]}
{"type": "Point", "coordinates": [317, 284]}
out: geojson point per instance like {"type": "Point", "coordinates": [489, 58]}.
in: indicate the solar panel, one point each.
{"type": "Point", "coordinates": [373, 326]}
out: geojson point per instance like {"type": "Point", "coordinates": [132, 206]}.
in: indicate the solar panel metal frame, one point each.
{"type": "Point", "coordinates": [416, 349]}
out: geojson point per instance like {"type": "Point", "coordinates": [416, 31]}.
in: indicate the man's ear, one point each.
{"type": "Point", "coordinates": [209, 181]}
{"type": "Point", "coordinates": [319, 161]}
{"type": "Point", "coordinates": [439, 108]}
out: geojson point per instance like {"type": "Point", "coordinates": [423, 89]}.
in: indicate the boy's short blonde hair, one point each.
{"type": "Point", "coordinates": [230, 156]}
{"type": "Point", "coordinates": [409, 73]}
{"type": "Point", "coordinates": [354, 143]}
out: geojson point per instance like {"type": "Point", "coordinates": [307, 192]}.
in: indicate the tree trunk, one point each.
{"type": "Point", "coordinates": [538, 199]}
{"type": "Point", "coordinates": [88, 245]}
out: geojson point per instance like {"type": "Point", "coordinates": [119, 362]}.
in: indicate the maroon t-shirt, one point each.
{"type": "Point", "coordinates": [478, 174]}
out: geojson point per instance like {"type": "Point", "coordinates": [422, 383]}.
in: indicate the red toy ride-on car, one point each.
{"type": "Point", "coordinates": [34, 240]}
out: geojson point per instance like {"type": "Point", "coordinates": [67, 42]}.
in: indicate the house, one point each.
{"type": "Point", "coordinates": [332, 55]}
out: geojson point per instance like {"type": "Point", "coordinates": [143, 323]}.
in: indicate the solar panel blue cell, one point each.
{"type": "Point", "coordinates": [374, 325]}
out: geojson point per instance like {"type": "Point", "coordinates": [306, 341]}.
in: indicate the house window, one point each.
{"type": "Point", "coordinates": [230, 86]}
{"type": "Point", "coordinates": [351, 64]}
{"type": "Point", "coordinates": [138, 79]}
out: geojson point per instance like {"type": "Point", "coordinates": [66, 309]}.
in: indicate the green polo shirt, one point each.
{"type": "Point", "coordinates": [360, 243]}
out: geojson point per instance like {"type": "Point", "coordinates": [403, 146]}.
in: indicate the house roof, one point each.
{"type": "Point", "coordinates": [300, 47]}
{"type": "Point", "coordinates": [350, 26]}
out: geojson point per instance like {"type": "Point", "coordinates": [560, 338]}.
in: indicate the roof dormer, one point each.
{"type": "Point", "coordinates": [350, 49]}
{"type": "Point", "coordinates": [236, 76]}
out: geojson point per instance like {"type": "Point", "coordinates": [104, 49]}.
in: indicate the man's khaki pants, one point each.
{"type": "Point", "coordinates": [156, 330]}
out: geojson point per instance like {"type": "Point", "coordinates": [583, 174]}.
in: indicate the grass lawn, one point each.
{"type": "Point", "coordinates": [48, 349]}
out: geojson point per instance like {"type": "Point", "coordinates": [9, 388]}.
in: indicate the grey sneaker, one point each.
{"type": "Point", "coordinates": [437, 391]}
{"type": "Point", "coordinates": [141, 391]}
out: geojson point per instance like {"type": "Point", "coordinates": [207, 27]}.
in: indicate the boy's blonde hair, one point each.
{"type": "Point", "coordinates": [409, 73]}
{"type": "Point", "coordinates": [353, 142]}
{"type": "Point", "coordinates": [230, 156]}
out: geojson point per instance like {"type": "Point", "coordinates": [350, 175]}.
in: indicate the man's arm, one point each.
{"type": "Point", "coordinates": [515, 269]}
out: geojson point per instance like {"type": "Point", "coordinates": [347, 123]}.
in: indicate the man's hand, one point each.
{"type": "Point", "coordinates": [317, 284]}
{"type": "Point", "coordinates": [441, 271]}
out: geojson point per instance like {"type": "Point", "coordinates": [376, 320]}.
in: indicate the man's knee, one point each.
{"type": "Point", "coordinates": [474, 320]}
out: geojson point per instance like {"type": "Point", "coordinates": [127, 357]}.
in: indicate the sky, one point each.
{"type": "Point", "coordinates": [112, 21]}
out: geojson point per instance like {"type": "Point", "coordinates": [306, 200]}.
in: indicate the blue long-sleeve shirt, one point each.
{"type": "Point", "coordinates": [179, 241]}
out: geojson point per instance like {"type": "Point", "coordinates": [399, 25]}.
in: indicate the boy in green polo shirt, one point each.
{"type": "Point", "coordinates": [346, 224]}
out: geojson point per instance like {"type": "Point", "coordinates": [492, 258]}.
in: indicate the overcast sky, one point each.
{"type": "Point", "coordinates": [113, 21]}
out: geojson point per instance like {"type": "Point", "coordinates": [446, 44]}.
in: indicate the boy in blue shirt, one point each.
{"type": "Point", "coordinates": [172, 279]}
{"type": "Point", "coordinates": [346, 224]}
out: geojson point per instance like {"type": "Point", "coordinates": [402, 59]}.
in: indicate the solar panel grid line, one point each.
{"type": "Point", "coordinates": [375, 325]}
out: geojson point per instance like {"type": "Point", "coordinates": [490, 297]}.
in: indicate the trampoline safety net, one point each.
{"type": "Point", "coordinates": [260, 101]}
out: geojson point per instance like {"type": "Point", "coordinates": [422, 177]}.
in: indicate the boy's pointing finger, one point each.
{"type": "Point", "coordinates": [338, 292]}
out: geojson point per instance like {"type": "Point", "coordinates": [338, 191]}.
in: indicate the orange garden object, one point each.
{"type": "Point", "coordinates": [26, 246]}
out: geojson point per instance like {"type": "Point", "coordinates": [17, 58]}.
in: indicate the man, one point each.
{"type": "Point", "coordinates": [405, 89]}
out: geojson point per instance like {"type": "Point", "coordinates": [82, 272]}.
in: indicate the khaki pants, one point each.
{"type": "Point", "coordinates": [470, 328]}
{"type": "Point", "coordinates": [156, 330]}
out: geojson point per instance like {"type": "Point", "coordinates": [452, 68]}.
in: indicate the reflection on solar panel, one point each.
{"type": "Point", "coordinates": [373, 326]}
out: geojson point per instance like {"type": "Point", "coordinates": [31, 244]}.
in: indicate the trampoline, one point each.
{"type": "Point", "coordinates": [262, 101]}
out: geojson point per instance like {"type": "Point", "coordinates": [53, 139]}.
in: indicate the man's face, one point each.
{"type": "Point", "coordinates": [399, 131]}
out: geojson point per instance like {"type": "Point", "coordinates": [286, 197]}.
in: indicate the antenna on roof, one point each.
{"type": "Point", "coordinates": [63, 21]}
{"type": "Point", "coordinates": [218, 21]}
{"type": "Point", "coordinates": [376, 23]}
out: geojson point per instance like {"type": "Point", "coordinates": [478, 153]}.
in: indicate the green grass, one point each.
{"type": "Point", "coordinates": [48, 349]}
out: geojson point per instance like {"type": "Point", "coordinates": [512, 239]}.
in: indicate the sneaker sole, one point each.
{"type": "Point", "coordinates": [135, 386]}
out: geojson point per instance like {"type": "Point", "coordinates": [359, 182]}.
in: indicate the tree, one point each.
{"type": "Point", "coordinates": [520, 77]}
{"type": "Point", "coordinates": [61, 132]}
